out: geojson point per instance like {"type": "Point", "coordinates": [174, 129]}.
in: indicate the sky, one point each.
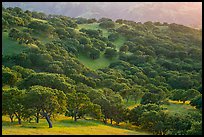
{"type": "Point", "coordinates": [186, 13]}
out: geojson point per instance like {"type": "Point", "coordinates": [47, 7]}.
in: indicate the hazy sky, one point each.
{"type": "Point", "coordinates": [187, 13]}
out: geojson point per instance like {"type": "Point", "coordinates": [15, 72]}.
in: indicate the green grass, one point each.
{"type": "Point", "coordinates": [34, 19]}
{"type": "Point", "coordinates": [101, 62]}
{"type": "Point", "coordinates": [178, 107]}
{"type": "Point", "coordinates": [10, 47]}
{"type": "Point", "coordinates": [94, 26]}
{"type": "Point", "coordinates": [119, 42]}
{"type": "Point", "coordinates": [65, 126]}
{"type": "Point", "coordinates": [173, 107]}
{"type": "Point", "coordinates": [131, 103]}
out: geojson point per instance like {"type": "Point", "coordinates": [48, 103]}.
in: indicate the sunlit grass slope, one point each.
{"type": "Point", "coordinates": [101, 62]}
{"type": "Point", "coordinates": [9, 46]}
{"type": "Point", "coordinates": [94, 26]}
{"type": "Point", "coordinates": [64, 126]}
{"type": "Point", "coordinates": [179, 107]}
{"type": "Point", "coordinates": [173, 107]}
{"type": "Point", "coordinates": [35, 19]}
{"type": "Point", "coordinates": [119, 42]}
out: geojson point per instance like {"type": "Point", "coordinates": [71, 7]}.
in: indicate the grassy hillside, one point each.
{"type": "Point", "coordinates": [35, 19]}
{"type": "Point", "coordinates": [101, 62]}
{"type": "Point", "coordinates": [9, 46]}
{"type": "Point", "coordinates": [179, 107]}
{"type": "Point", "coordinates": [12, 47]}
{"type": "Point", "coordinates": [64, 126]}
{"type": "Point", "coordinates": [173, 107]}
{"type": "Point", "coordinates": [119, 42]}
{"type": "Point", "coordinates": [93, 26]}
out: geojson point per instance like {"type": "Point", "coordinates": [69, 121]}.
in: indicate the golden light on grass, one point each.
{"type": "Point", "coordinates": [179, 102]}
{"type": "Point", "coordinates": [65, 126]}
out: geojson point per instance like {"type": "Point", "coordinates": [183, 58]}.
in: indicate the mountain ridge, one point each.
{"type": "Point", "coordinates": [185, 13]}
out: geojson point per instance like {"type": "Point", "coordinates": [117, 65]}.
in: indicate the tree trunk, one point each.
{"type": "Point", "coordinates": [37, 118]}
{"type": "Point", "coordinates": [75, 118]}
{"type": "Point", "coordinates": [75, 115]}
{"type": "Point", "coordinates": [48, 120]}
{"type": "Point", "coordinates": [111, 121]}
{"type": "Point", "coordinates": [105, 121]}
{"type": "Point", "coordinates": [30, 119]}
{"type": "Point", "coordinates": [11, 118]}
{"type": "Point", "coordinates": [19, 120]}
{"type": "Point", "coordinates": [184, 101]}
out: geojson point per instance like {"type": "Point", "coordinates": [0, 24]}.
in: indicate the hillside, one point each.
{"type": "Point", "coordinates": [146, 77]}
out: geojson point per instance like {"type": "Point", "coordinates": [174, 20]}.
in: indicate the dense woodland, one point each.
{"type": "Point", "coordinates": [157, 62]}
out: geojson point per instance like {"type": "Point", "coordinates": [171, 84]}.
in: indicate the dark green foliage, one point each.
{"type": "Point", "coordinates": [155, 122]}
{"type": "Point", "coordinates": [80, 78]}
{"type": "Point", "coordinates": [21, 37]}
{"type": "Point", "coordinates": [111, 45]}
{"type": "Point", "coordinates": [110, 53]}
{"type": "Point", "coordinates": [180, 124]}
{"type": "Point", "coordinates": [46, 101]}
{"type": "Point", "coordinates": [113, 36]}
{"type": "Point", "coordinates": [54, 81]}
{"type": "Point", "coordinates": [94, 53]}
{"type": "Point", "coordinates": [137, 112]}
{"type": "Point", "coordinates": [84, 40]}
{"type": "Point", "coordinates": [104, 19]}
{"type": "Point", "coordinates": [185, 95]}
{"type": "Point", "coordinates": [98, 44]}
{"type": "Point", "coordinates": [78, 104]}
{"type": "Point", "coordinates": [196, 129]}
{"type": "Point", "coordinates": [107, 24]}
{"type": "Point", "coordinates": [13, 103]}
{"type": "Point", "coordinates": [23, 71]}
{"type": "Point", "coordinates": [92, 33]}
{"type": "Point", "coordinates": [9, 76]}
{"type": "Point", "coordinates": [124, 48]}
{"type": "Point", "coordinates": [151, 97]}
{"type": "Point", "coordinates": [14, 18]}
{"type": "Point", "coordinates": [111, 106]}
{"type": "Point", "coordinates": [38, 27]}
{"type": "Point", "coordinates": [38, 15]}
{"type": "Point", "coordinates": [120, 21]}
{"type": "Point", "coordinates": [197, 101]}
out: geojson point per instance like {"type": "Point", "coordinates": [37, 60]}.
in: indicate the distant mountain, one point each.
{"type": "Point", "coordinates": [186, 13]}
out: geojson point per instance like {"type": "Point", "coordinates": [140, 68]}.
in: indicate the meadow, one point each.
{"type": "Point", "coordinates": [10, 47]}
{"type": "Point", "coordinates": [101, 62]}
{"type": "Point", "coordinates": [65, 126]}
